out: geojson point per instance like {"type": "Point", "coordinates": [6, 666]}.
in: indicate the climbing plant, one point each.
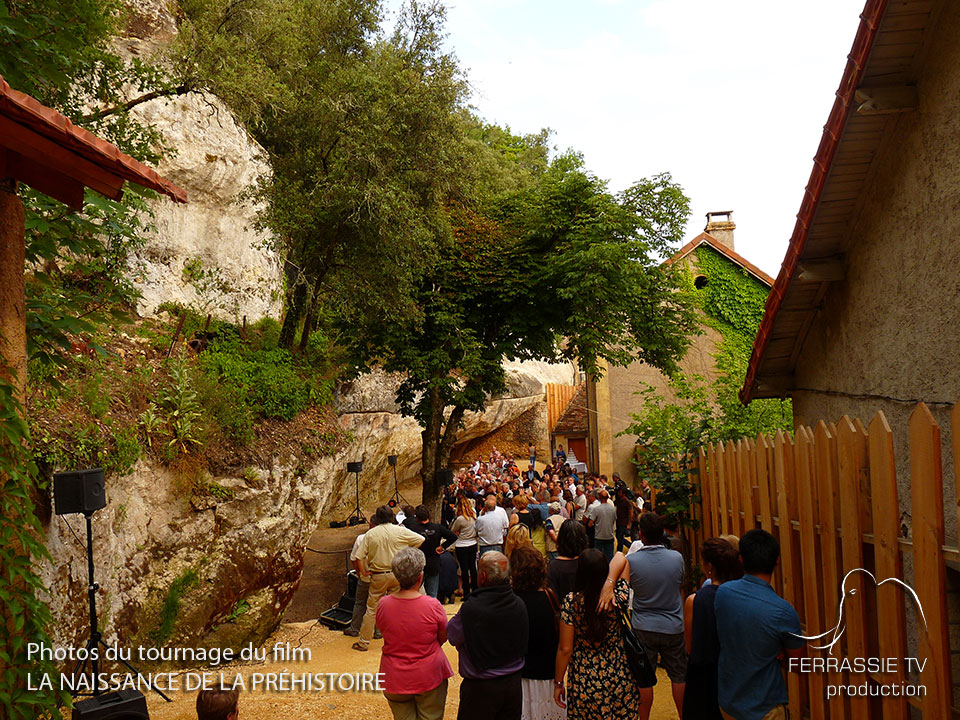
{"type": "Point", "coordinates": [671, 426]}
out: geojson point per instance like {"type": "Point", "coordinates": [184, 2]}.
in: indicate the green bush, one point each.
{"type": "Point", "coordinates": [126, 451]}
{"type": "Point", "coordinates": [274, 388]}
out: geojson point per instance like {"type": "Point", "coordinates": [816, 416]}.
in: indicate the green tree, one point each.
{"type": "Point", "coordinates": [560, 269]}
{"type": "Point", "coordinates": [62, 53]}
{"type": "Point", "coordinates": [365, 135]}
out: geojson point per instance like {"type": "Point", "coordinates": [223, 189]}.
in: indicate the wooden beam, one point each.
{"type": "Point", "coordinates": [773, 385]}
{"type": "Point", "coordinates": [886, 100]}
{"type": "Point", "coordinates": [48, 154]}
{"type": "Point", "coordinates": [60, 187]}
{"type": "Point", "coordinates": [822, 270]}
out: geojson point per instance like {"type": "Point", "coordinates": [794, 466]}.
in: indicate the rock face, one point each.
{"type": "Point", "coordinates": [207, 253]}
{"type": "Point", "coordinates": [219, 569]}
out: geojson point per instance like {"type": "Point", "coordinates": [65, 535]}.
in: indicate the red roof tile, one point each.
{"type": "Point", "coordinates": [45, 148]}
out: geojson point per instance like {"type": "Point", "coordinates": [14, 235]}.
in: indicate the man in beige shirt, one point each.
{"type": "Point", "coordinates": [374, 556]}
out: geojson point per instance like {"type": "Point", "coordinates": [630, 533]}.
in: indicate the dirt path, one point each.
{"type": "Point", "coordinates": [330, 653]}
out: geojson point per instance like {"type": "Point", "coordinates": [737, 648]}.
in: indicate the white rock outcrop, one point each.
{"type": "Point", "coordinates": [208, 253]}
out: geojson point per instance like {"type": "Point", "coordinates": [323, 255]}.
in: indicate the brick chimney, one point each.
{"type": "Point", "coordinates": [721, 226]}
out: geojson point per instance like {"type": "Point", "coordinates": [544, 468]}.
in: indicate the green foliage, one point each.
{"type": "Point", "coordinates": [182, 411]}
{"type": "Point", "coordinates": [670, 430]}
{"type": "Point", "coordinates": [24, 615]}
{"type": "Point", "coordinates": [240, 609]}
{"type": "Point", "coordinates": [559, 269]}
{"type": "Point", "coordinates": [267, 380]}
{"type": "Point", "coordinates": [170, 609]}
{"type": "Point", "coordinates": [731, 295]}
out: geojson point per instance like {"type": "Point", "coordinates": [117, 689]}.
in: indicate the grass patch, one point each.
{"type": "Point", "coordinates": [171, 606]}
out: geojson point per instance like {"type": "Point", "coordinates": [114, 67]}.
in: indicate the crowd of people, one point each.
{"type": "Point", "coordinates": [546, 564]}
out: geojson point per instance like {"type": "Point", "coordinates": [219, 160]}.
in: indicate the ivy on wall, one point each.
{"type": "Point", "coordinates": [731, 302]}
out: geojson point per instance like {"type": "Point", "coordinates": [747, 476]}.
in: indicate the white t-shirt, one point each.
{"type": "Point", "coordinates": [491, 527]}
{"type": "Point", "coordinates": [355, 552]}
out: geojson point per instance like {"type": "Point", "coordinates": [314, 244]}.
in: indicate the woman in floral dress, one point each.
{"type": "Point", "coordinates": [599, 684]}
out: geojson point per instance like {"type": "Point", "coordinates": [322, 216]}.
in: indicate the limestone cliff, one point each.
{"type": "Point", "coordinates": [219, 570]}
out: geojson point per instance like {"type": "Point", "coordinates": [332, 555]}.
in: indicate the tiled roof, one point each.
{"type": "Point", "coordinates": [43, 149]}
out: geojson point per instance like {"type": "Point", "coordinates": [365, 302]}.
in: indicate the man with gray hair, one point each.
{"type": "Point", "coordinates": [490, 634]}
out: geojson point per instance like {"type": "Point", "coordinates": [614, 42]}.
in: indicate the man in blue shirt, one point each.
{"type": "Point", "coordinates": [756, 627]}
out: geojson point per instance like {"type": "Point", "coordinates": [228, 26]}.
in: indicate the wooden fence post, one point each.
{"type": "Point", "coordinates": [783, 467]}
{"type": "Point", "coordinates": [809, 557]}
{"type": "Point", "coordinates": [721, 457]}
{"type": "Point", "coordinates": [732, 458]}
{"type": "Point", "coordinates": [926, 484]}
{"type": "Point", "coordinates": [849, 461]}
{"type": "Point", "coordinates": [715, 492]}
{"type": "Point", "coordinates": [825, 466]}
{"type": "Point", "coordinates": [892, 634]}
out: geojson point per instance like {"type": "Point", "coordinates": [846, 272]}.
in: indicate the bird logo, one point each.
{"type": "Point", "coordinates": [832, 636]}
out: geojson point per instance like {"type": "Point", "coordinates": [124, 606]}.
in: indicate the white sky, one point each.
{"type": "Point", "coordinates": [728, 96]}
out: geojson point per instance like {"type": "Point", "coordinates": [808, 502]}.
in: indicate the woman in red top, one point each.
{"type": "Point", "coordinates": [414, 627]}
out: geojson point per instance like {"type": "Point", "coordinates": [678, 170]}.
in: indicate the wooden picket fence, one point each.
{"type": "Point", "coordinates": [829, 494]}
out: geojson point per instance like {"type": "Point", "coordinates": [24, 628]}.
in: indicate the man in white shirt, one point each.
{"type": "Point", "coordinates": [491, 526]}
{"type": "Point", "coordinates": [580, 500]}
{"type": "Point", "coordinates": [363, 586]}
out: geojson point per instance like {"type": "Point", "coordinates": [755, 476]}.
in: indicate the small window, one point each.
{"type": "Point", "coordinates": [700, 282]}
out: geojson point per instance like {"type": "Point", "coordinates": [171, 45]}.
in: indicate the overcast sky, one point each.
{"type": "Point", "coordinates": [730, 97]}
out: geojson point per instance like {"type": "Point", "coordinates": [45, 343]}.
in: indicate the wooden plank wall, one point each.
{"type": "Point", "coordinates": [830, 496]}
{"type": "Point", "coordinates": [558, 397]}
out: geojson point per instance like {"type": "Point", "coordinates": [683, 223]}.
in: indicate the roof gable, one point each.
{"type": "Point", "coordinates": [42, 148]}
{"type": "Point", "coordinates": [734, 257]}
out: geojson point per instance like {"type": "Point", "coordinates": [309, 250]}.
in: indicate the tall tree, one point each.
{"type": "Point", "coordinates": [363, 132]}
{"type": "Point", "coordinates": [561, 269]}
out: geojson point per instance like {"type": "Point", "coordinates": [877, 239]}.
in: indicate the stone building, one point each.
{"type": "Point", "coordinates": [864, 315]}
{"type": "Point", "coordinates": [611, 401]}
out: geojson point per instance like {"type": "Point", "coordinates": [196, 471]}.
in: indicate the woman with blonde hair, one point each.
{"type": "Point", "coordinates": [517, 536]}
{"type": "Point", "coordinates": [465, 528]}
{"type": "Point", "coordinates": [534, 522]}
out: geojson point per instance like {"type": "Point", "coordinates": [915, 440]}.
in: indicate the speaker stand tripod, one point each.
{"type": "Point", "coordinates": [96, 638]}
{"type": "Point", "coordinates": [397, 499]}
{"type": "Point", "coordinates": [356, 517]}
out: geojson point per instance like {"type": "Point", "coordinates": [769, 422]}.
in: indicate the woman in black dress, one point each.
{"type": "Point", "coordinates": [721, 563]}
{"type": "Point", "coordinates": [528, 575]}
{"type": "Point", "coordinates": [562, 571]}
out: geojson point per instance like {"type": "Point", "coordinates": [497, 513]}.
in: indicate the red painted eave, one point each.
{"type": "Point", "coordinates": [35, 117]}
{"type": "Point", "coordinates": [852, 75]}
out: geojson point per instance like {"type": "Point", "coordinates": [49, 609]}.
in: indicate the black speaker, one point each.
{"type": "Point", "coordinates": [354, 467]}
{"type": "Point", "coordinates": [79, 491]}
{"type": "Point", "coordinates": [391, 459]}
{"type": "Point", "coordinates": [443, 477]}
{"type": "Point", "coordinates": [119, 705]}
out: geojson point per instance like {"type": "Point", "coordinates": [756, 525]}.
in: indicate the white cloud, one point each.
{"type": "Point", "coordinates": [728, 96]}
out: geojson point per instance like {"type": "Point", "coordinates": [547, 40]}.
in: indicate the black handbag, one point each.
{"type": "Point", "coordinates": [637, 659]}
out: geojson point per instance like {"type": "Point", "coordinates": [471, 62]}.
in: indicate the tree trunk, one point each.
{"type": "Point", "coordinates": [291, 319]}
{"type": "Point", "coordinates": [310, 322]}
{"type": "Point", "coordinates": [438, 441]}
{"type": "Point", "coordinates": [13, 328]}
{"type": "Point", "coordinates": [432, 492]}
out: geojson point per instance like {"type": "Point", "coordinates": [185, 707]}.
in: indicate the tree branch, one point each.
{"type": "Point", "coordinates": [123, 107]}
